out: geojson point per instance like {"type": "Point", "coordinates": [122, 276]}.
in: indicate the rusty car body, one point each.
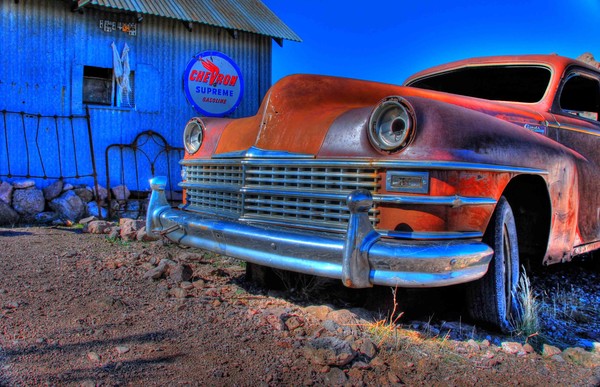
{"type": "Point", "coordinates": [462, 175]}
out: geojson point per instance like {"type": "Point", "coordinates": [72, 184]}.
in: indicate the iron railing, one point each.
{"type": "Point", "coordinates": [36, 146]}
{"type": "Point", "coordinates": [134, 164]}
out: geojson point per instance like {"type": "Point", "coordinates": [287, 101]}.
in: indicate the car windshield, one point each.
{"type": "Point", "coordinates": [526, 84]}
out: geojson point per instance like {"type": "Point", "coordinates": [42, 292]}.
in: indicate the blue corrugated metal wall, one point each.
{"type": "Point", "coordinates": [46, 47]}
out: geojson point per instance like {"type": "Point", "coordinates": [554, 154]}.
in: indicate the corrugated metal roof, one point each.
{"type": "Point", "coordinates": [242, 15]}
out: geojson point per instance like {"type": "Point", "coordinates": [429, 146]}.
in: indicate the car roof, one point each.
{"type": "Point", "coordinates": [556, 62]}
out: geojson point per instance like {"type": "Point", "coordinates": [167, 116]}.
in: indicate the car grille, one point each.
{"type": "Point", "coordinates": [308, 194]}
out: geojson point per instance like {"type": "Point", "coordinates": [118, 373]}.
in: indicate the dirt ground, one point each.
{"type": "Point", "coordinates": [80, 309]}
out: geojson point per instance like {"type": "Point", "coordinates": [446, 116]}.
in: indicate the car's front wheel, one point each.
{"type": "Point", "coordinates": [493, 298]}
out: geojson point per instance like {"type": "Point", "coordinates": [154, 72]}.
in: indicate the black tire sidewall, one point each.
{"type": "Point", "coordinates": [486, 298]}
{"type": "Point", "coordinates": [504, 222]}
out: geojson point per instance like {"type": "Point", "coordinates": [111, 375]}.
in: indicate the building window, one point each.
{"type": "Point", "coordinates": [100, 87]}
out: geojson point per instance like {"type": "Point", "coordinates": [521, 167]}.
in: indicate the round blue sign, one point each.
{"type": "Point", "coordinates": [213, 84]}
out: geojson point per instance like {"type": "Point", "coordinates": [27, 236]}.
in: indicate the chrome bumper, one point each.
{"type": "Point", "coordinates": [360, 258]}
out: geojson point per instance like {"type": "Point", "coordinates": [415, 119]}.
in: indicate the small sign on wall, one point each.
{"type": "Point", "coordinates": [213, 84]}
{"type": "Point", "coordinates": [111, 25]}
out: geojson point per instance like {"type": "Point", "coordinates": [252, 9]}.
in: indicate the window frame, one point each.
{"type": "Point", "coordinates": [113, 92]}
{"type": "Point", "coordinates": [569, 75]}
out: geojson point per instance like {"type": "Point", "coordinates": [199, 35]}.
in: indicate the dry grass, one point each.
{"type": "Point", "coordinates": [386, 331]}
{"type": "Point", "coordinates": [528, 323]}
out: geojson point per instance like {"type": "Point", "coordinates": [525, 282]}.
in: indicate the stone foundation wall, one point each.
{"type": "Point", "coordinates": [22, 202]}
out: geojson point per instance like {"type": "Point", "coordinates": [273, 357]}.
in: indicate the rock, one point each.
{"type": "Point", "coordinates": [393, 378]}
{"type": "Point", "coordinates": [8, 216]}
{"type": "Point", "coordinates": [98, 227]}
{"type": "Point", "coordinates": [580, 356]}
{"type": "Point", "coordinates": [143, 236]}
{"type": "Point", "coordinates": [93, 356]}
{"type": "Point", "coordinates": [129, 228]}
{"type": "Point", "coordinates": [352, 321]}
{"type": "Point", "coordinates": [94, 210]}
{"type": "Point", "coordinates": [361, 365]}
{"type": "Point", "coordinates": [319, 311]}
{"type": "Point", "coordinates": [589, 59]}
{"type": "Point", "coordinates": [199, 284]}
{"type": "Point", "coordinates": [133, 209]}
{"type": "Point", "coordinates": [85, 194]}
{"type": "Point", "coordinates": [181, 273]}
{"type": "Point", "coordinates": [294, 322]}
{"type": "Point", "coordinates": [186, 285]}
{"type": "Point", "coordinates": [178, 293]}
{"type": "Point", "coordinates": [114, 232]}
{"type": "Point", "coordinates": [365, 347]}
{"type": "Point", "coordinates": [528, 348]}
{"type": "Point", "coordinates": [87, 220]}
{"type": "Point", "coordinates": [329, 351]}
{"type": "Point", "coordinates": [101, 193]}
{"type": "Point", "coordinates": [331, 326]}
{"type": "Point", "coordinates": [335, 377]}
{"type": "Point", "coordinates": [120, 193]}
{"type": "Point", "coordinates": [46, 217]}
{"type": "Point", "coordinates": [28, 202]}
{"type": "Point", "coordinates": [473, 345]}
{"type": "Point", "coordinates": [156, 272]}
{"type": "Point", "coordinates": [23, 184]}
{"type": "Point", "coordinates": [69, 206]}
{"type": "Point", "coordinates": [53, 190]}
{"type": "Point", "coordinates": [557, 358]}
{"type": "Point", "coordinates": [275, 322]}
{"type": "Point", "coordinates": [67, 187]}
{"type": "Point", "coordinates": [550, 350]}
{"type": "Point", "coordinates": [596, 347]}
{"type": "Point", "coordinates": [586, 344]}
{"type": "Point", "coordinates": [163, 267]}
{"type": "Point", "coordinates": [512, 347]}
{"type": "Point", "coordinates": [122, 349]}
{"type": "Point", "coordinates": [6, 190]}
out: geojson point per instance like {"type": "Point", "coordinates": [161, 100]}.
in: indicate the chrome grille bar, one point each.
{"type": "Point", "coordinates": [299, 195]}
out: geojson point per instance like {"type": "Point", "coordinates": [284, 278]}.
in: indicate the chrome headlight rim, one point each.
{"type": "Point", "coordinates": [392, 125]}
{"type": "Point", "coordinates": [193, 135]}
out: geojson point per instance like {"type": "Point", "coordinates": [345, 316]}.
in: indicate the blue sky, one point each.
{"type": "Point", "coordinates": [387, 41]}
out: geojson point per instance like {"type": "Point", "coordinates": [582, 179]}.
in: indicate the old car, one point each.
{"type": "Point", "coordinates": [467, 173]}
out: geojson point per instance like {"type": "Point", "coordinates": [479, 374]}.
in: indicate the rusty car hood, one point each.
{"type": "Point", "coordinates": [297, 112]}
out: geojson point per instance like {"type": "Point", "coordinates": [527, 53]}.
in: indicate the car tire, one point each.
{"type": "Point", "coordinates": [492, 299]}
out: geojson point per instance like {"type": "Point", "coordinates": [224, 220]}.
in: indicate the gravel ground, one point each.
{"type": "Point", "coordinates": [79, 309]}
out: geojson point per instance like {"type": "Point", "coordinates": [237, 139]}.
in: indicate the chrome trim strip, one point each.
{"type": "Point", "coordinates": [432, 235]}
{"type": "Point", "coordinates": [211, 187]}
{"type": "Point", "coordinates": [391, 262]}
{"type": "Point", "coordinates": [368, 163]}
{"type": "Point", "coordinates": [582, 249]}
{"type": "Point", "coordinates": [578, 129]}
{"type": "Point", "coordinates": [452, 201]}
{"type": "Point", "coordinates": [254, 153]}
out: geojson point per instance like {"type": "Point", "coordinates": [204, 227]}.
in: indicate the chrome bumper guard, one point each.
{"type": "Point", "coordinates": [360, 258]}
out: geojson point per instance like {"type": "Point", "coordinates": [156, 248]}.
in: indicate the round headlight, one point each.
{"type": "Point", "coordinates": [391, 125]}
{"type": "Point", "coordinates": [193, 135]}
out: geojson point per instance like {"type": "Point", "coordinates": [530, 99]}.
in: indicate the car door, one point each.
{"type": "Point", "coordinates": [577, 112]}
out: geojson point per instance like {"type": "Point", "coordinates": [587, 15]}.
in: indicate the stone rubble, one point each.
{"type": "Point", "coordinates": [61, 203]}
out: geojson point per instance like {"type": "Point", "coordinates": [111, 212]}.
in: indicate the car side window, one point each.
{"type": "Point", "coordinates": [580, 97]}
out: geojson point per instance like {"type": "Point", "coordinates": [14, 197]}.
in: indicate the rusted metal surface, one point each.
{"type": "Point", "coordinates": [541, 158]}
